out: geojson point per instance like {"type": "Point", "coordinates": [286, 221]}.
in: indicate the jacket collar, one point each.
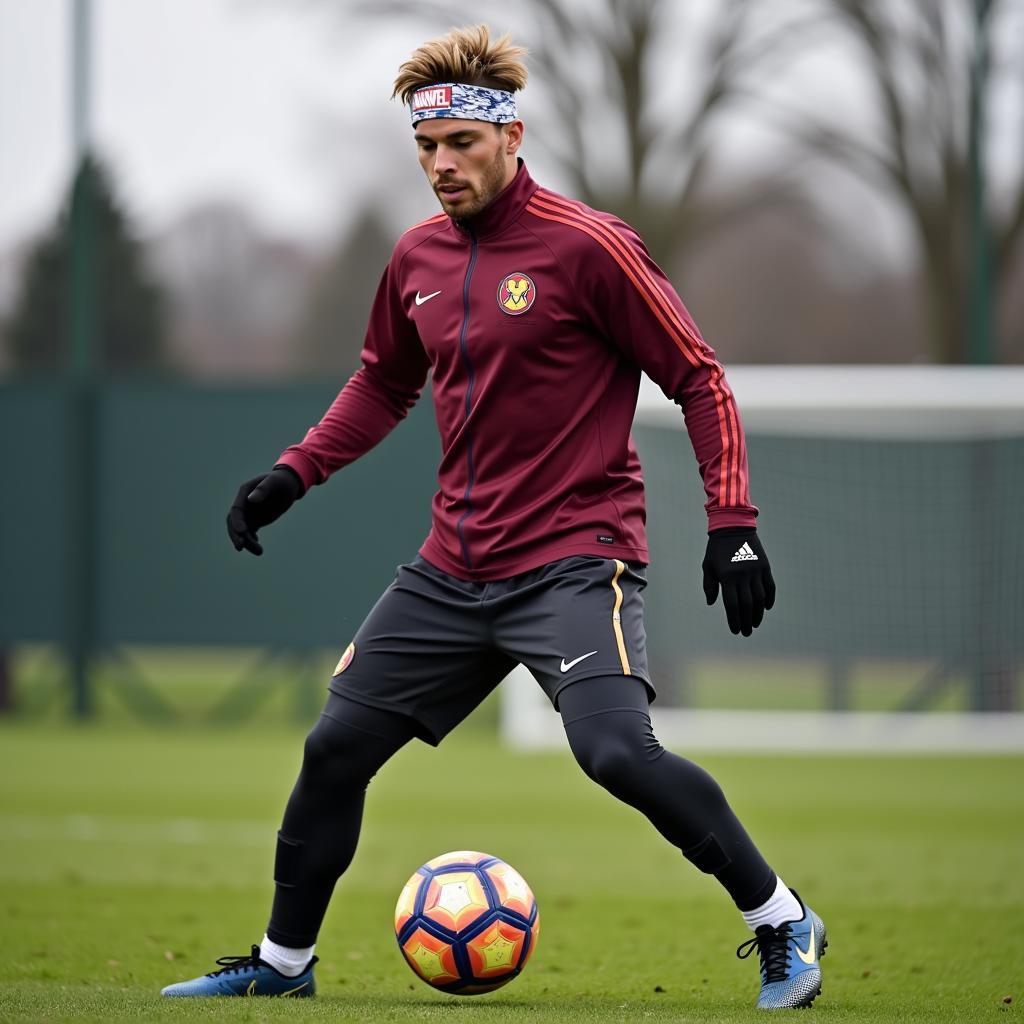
{"type": "Point", "coordinates": [505, 208]}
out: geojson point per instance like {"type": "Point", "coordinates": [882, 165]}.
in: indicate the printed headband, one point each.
{"type": "Point", "coordinates": [469, 102]}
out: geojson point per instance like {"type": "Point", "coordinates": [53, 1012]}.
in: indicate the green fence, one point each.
{"type": "Point", "coordinates": [168, 462]}
{"type": "Point", "coordinates": [904, 552]}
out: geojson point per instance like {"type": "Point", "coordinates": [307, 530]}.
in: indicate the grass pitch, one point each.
{"type": "Point", "coordinates": [131, 857]}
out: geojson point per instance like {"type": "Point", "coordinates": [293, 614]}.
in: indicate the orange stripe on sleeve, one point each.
{"type": "Point", "coordinates": [730, 471]}
{"type": "Point", "coordinates": [587, 229]}
{"type": "Point", "coordinates": [732, 483]}
{"type": "Point", "coordinates": [625, 249]}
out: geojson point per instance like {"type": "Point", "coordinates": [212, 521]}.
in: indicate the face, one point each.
{"type": "Point", "coordinates": [467, 162]}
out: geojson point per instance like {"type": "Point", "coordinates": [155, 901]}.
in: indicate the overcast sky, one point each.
{"type": "Point", "coordinates": [279, 106]}
{"type": "Point", "coordinates": [195, 99]}
{"type": "Point", "coordinates": [267, 102]}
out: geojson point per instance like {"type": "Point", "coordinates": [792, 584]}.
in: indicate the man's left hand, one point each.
{"type": "Point", "coordinates": [736, 562]}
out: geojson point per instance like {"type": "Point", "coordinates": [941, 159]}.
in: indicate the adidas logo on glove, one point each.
{"type": "Point", "coordinates": [735, 564]}
{"type": "Point", "coordinates": [745, 554]}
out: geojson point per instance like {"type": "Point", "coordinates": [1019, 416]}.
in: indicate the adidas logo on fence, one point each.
{"type": "Point", "coordinates": [745, 554]}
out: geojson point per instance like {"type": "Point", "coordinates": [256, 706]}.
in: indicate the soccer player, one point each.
{"type": "Point", "coordinates": [535, 316]}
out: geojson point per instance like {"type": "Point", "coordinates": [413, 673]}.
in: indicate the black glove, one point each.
{"type": "Point", "coordinates": [736, 561]}
{"type": "Point", "coordinates": [259, 501]}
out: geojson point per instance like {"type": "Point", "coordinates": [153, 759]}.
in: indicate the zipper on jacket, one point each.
{"type": "Point", "coordinates": [471, 381]}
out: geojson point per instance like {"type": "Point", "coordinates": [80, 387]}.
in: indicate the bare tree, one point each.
{"type": "Point", "coordinates": [933, 67]}
{"type": "Point", "coordinates": [630, 98]}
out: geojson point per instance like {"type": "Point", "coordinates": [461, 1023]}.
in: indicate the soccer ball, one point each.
{"type": "Point", "coordinates": [466, 922]}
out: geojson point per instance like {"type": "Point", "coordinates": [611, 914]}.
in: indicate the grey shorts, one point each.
{"type": "Point", "coordinates": [434, 646]}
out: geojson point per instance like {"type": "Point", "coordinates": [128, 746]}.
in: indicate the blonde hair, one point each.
{"type": "Point", "coordinates": [464, 55]}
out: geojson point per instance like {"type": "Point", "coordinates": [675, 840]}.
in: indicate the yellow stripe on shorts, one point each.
{"type": "Point", "coordinates": [620, 568]}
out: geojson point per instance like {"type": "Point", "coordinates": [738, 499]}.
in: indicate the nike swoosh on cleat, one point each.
{"type": "Point", "coordinates": [808, 957]}
{"type": "Point", "coordinates": [251, 990]}
{"type": "Point", "coordinates": [292, 991]}
{"type": "Point", "coordinates": [566, 665]}
{"type": "Point", "coordinates": [420, 299]}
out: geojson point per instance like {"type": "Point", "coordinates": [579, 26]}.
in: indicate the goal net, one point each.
{"type": "Point", "coordinates": [891, 500]}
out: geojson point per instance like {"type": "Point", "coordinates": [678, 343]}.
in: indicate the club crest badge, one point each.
{"type": "Point", "coordinates": [346, 660]}
{"type": "Point", "coordinates": [516, 294]}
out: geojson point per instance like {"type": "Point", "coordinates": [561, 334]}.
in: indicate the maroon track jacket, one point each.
{"type": "Point", "coordinates": [535, 320]}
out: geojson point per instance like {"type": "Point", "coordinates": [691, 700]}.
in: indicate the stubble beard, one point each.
{"type": "Point", "coordinates": [491, 185]}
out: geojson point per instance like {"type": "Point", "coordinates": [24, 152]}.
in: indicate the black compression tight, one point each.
{"type": "Point", "coordinates": [320, 830]}
{"type": "Point", "coordinates": [609, 730]}
{"type": "Point", "coordinates": [608, 725]}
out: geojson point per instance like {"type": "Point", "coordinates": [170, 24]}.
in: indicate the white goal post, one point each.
{"type": "Point", "coordinates": [894, 471]}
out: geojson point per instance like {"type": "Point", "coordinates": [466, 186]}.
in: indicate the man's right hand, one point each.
{"type": "Point", "coordinates": [260, 501]}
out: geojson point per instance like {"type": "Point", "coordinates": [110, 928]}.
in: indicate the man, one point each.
{"type": "Point", "coordinates": [535, 316]}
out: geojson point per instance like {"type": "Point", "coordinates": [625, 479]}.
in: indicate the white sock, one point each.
{"type": "Point", "coordinates": [288, 961]}
{"type": "Point", "coordinates": [780, 907]}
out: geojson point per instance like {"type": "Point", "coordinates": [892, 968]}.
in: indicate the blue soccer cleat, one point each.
{"type": "Point", "coordinates": [246, 976]}
{"type": "Point", "coordinates": [790, 975]}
